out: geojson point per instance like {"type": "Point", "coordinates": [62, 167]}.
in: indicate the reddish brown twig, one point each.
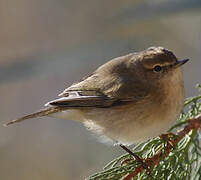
{"type": "Point", "coordinates": [192, 124]}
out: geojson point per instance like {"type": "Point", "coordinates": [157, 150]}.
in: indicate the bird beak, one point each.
{"type": "Point", "coordinates": [180, 62]}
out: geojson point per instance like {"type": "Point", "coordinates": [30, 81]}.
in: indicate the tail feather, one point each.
{"type": "Point", "coordinates": [40, 113]}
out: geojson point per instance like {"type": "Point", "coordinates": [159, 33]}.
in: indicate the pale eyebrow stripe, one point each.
{"type": "Point", "coordinates": [162, 65]}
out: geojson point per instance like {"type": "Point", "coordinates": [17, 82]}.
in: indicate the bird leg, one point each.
{"type": "Point", "coordinates": [137, 158]}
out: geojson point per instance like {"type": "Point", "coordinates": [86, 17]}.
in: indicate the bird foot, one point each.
{"type": "Point", "coordinates": [137, 158]}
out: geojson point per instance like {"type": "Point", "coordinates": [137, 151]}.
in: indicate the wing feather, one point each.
{"type": "Point", "coordinates": [74, 99]}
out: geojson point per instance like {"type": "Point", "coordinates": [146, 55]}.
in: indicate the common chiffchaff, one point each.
{"type": "Point", "coordinates": [127, 100]}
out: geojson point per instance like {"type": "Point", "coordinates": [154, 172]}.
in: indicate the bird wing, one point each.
{"type": "Point", "coordinates": [103, 88]}
{"type": "Point", "coordinates": [82, 99]}
{"type": "Point", "coordinates": [113, 80]}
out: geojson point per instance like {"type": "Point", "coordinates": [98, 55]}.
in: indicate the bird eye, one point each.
{"type": "Point", "coordinates": [157, 68]}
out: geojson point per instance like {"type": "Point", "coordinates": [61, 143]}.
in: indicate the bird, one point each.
{"type": "Point", "coordinates": [127, 100]}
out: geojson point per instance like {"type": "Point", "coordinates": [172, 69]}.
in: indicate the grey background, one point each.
{"type": "Point", "coordinates": [46, 45]}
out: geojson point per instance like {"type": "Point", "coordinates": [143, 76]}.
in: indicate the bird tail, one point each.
{"type": "Point", "coordinates": [40, 113]}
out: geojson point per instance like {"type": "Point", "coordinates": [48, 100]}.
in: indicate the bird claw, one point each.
{"type": "Point", "coordinates": [138, 159]}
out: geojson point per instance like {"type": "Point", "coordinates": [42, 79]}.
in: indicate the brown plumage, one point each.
{"type": "Point", "coordinates": [129, 99]}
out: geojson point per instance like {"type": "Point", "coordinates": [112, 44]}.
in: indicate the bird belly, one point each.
{"type": "Point", "coordinates": [131, 124]}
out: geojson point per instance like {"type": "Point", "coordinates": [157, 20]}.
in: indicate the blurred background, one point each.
{"type": "Point", "coordinates": [46, 45]}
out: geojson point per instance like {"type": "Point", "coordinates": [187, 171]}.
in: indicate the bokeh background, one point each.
{"type": "Point", "coordinates": [46, 45]}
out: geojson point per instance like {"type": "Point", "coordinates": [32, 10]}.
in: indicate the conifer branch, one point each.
{"type": "Point", "coordinates": [192, 124]}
